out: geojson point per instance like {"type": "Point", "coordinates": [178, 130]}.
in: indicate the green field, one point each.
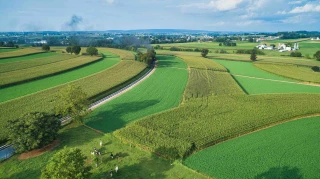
{"type": "Point", "coordinates": [49, 82]}
{"type": "Point", "coordinates": [20, 52]}
{"type": "Point", "coordinates": [133, 162]}
{"type": "Point", "coordinates": [300, 73]}
{"type": "Point", "coordinates": [29, 57]}
{"type": "Point", "coordinates": [161, 91]}
{"type": "Point", "coordinates": [289, 150]}
{"type": "Point", "coordinates": [18, 65]}
{"type": "Point", "coordinates": [256, 81]}
{"type": "Point", "coordinates": [29, 74]}
{"type": "Point", "coordinates": [7, 49]}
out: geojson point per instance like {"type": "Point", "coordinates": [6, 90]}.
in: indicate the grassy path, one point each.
{"type": "Point", "coordinates": [161, 91]}
{"type": "Point", "coordinates": [289, 150]}
{"type": "Point", "coordinates": [42, 84]}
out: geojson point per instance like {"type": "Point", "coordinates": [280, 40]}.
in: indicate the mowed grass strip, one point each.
{"type": "Point", "coordinates": [93, 85]}
{"type": "Point", "coordinates": [24, 75]}
{"type": "Point", "coordinates": [289, 150]}
{"type": "Point", "coordinates": [28, 57]}
{"type": "Point", "coordinates": [18, 65]}
{"type": "Point", "coordinates": [161, 91]}
{"type": "Point", "coordinates": [20, 52]}
{"type": "Point", "coordinates": [133, 162]}
{"type": "Point", "coordinates": [291, 71]}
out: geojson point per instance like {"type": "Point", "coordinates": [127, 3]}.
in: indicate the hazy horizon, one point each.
{"type": "Point", "coordinates": [209, 15]}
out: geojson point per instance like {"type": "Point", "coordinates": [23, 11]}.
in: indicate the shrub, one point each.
{"type": "Point", "coordinates": [223, 51]}
{"type": "Point", "coordinates": [295, 54]}
{"type": "Point", "coordinates": [315, 68]}
{"type": "Point", "coordinates": [317, 55]}
{"type": "Point", "coordinates": [46, 47]}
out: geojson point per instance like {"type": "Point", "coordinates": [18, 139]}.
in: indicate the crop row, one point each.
{"type": "Point", "coordinates": [92, 85]}
{"type": "Point", "coordinates": [22, 52]}
{"type": "Point", "coordinates": [124, 55]}
{"type": "Point", "coordinates": [18, 65]}
{"type": "Point", "coordinates": [207, 121]}
{"type": "Point", "coordinates": [28, 74]}
{"type": "Point", "coordinates": [290, 71]}
{"type": "Point", "coordinates": [207, 83]}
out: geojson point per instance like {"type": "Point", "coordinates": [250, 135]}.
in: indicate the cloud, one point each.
{"type": "Point", "coordinates": [295, 2]}
{"type": "Point", "coordinates": [111, 1]}
{"type": "Point", "coordinates": [249, 22]}
{"type": "Point", "coordinates": [282, 12]}
{"type": "Point", "coordinates": [293, 20]}
{"type": "Point", "coordinates": [221, 23]}
{"type": "Point", "coordinates": [215, 5]}
{"type": "Point", "coordinates": [306, 8]}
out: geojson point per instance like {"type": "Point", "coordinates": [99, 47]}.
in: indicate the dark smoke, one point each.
{"type": "Point", "coordinates": [73, 23]}
{"type": "Point", "coordinates": [132, 41]}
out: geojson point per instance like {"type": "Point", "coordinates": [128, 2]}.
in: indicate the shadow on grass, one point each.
{"type": "Point", "coordinates": [112, 118]}
{"type": "Point", "coordinates": [166, 61]}
{"type": "Point", "coordinates": [281, 173]}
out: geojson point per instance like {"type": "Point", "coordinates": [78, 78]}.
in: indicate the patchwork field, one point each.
{"type": "Point", "coordinates": [289, 150]}
{"type": "Point", "coordinates": [161, 91]}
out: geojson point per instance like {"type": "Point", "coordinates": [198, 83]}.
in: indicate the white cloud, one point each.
{"type": "Point", "coordinates": [295, 2]}
{"type": "Point", "coordinates": [216, 5]}
{"type": "Point", "coordinates": [111, 1]}
{"type": "Point", "coordinates": [249, 22]}
{"type": "Point", "coordinates": [221, 23]}
{"type": "Point", "coordinates": [293, 20]}
{"type": "Point", "coordinates": [306, 8]}
{"type": "Point", "coordinates": [281, 12]}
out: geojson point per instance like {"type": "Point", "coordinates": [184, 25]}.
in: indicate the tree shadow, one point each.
{"type": "Point", "coordinates": [166, 61]}
{"type": "Point", "coordinates": [112, 118]}
{"type": "Point", "coordinates": [281, 173]}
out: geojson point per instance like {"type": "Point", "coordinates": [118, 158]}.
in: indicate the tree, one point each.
{"type": "Point", "coordinates": [317, 55]}
{"type": "Point", "coordinates": [33, 130]}
{"type": "Point", "coordinates": [295, 54]}
{"type": "Point", "coordinates": [76, 49]}
{"type": "Point", "coordinates": [45, 47]}
{"type": "Point", "coordinates": [315, 68]}
{"type": "Point", "coordinates": [253, 56]}
{"type": "Point", "coordinates": [69, 49]}
{"type": "Point", "coordinates": [73, 102]}
{"type": "Point", "coordinates": [92, 51]}
{"type": "Point", "coordinates": [17, 46]}
{"type": "Point", "coordinates": [204, 52]}
{"type": "Point", "coordinates": [67, 164]}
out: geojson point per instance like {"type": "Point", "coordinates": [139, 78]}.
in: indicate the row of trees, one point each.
{"type": "Point", "coordinates": [76, 49]}
{"type": "Point", "coordinates": [8, 44]}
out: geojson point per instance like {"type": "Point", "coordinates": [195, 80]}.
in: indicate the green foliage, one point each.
{"type": "Point", "coordinates": [296, 54]}
{"type": "Point", "coordinates": [69, 49]}
{"type": "Point", "coordinates": [148, 57]}
{"type": "Point", "coordinates": [67, 164]}
{"type": "Point", "coordinates": [257, 51]}
{"type": "Point", "coordinates": [76, 49]}
{"type": "Point", "coordinates": [45, 47]}
{"type": "Point", "coordinates": [28, 74]}
{"type": "Point", "coordinates": [33, 130]}
{"type": "Point", "coordinates": [317, 55]}
{"type": "Point", "coordinates": [204, 52]}
{"type": "Point", "coordinates": [222, 51]}
{"type": "Point", "coordinates": [253, 56]}
{"type": "Point", "coordinates": [92, 51]}
{"type": "Point", "coordinates": [315, 68]}
{"type": "Point", "coordinates": [267, 148]}
{"type": "Point", "coordinates": [73, 102]}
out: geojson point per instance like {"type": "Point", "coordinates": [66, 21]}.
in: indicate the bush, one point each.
{"type": "Point", "coordinates": [315, 68]}
{"type": "Point", "coordinates": [33, 130]}
{"type": "Point", "coordinates": [295, 54]}
{"type": "Point", "coordinates": [317, 55]}
{"type": "Point", "coordinates": [92, 51]}
{"type": "Point", "coordinates": [46, 47]}
{"type": "Point", "coordinates": [67, 163]}
{"type": "Point", "coordinates": [223, 51]}
{"type": "Point", "coordinates": [175, 49]}
{"type": "Point", "coordinates": [204, 52]}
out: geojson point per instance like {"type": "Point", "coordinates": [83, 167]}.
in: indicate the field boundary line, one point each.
{"type": "Point", "coordinates": [281, 81]}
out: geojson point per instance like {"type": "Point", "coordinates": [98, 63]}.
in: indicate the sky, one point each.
{"type": "Point", "coordinates": [212, 15]}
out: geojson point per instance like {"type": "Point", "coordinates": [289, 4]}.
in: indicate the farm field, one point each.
{"type": "Point", "coordinates": [49, 82]}
{"type": "Point", "coordinates": [133, 162]}
{"type": "Point", "coordinates": [290, 71]}
{"type": "Point", "coordinates": [256, 81]}
{"type": "Point", "coordinates": [161, 91]}
{"type": "Point", "coordinates": [28, 57]}
{"type": "Point", "coordinates": [11, 66]}
{"type": "Point", "coordinates": [289, 150]}
{"type": "Point", "coordinates": [7, 49]}
{"type": "Point", "coordinates": [96, 84]}
{"type": "Point", "coordinates": [24, 75]}
{"type": "Point", "coordinates": [20, 52]}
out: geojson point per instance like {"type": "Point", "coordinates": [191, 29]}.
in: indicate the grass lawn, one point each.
{"type": "Point", "coordinates": [133, 162]}
{"type": "Point", "coordinates": [29, 57]}
{"type": "Point", "coordinates": [42, 84]}
{"type": "Point", "coordinates": [161, 91]}
{"type": "Point", "coordinates": [289, 150]}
